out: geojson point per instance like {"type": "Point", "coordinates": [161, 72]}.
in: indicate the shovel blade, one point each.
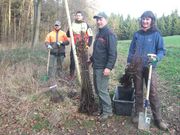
{"type": "Point", "coordinates": [144, 122]}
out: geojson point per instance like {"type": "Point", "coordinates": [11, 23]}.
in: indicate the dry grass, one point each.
{"type": "Point", "coordinates": [24, 97]}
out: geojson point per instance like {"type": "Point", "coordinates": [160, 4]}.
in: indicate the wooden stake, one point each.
{"type": "Point", "coordinates": [72, 42]}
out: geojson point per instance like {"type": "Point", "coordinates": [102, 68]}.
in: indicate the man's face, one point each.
{"type": "Point", "coordinates": [101, 22]}
{"type": "Point", "coordinates": [57, 27]}
{"type": "Point", "coordinates": [79, 17]}
{"type": "Point", "coordinates": [146, 22]}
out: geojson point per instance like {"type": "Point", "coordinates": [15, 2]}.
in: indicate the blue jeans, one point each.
{"type": "Point", "coordinates": [101, 89]}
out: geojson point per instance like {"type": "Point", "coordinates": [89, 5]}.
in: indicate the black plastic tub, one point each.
{"type": "Point", "coordinates": [123, 100]}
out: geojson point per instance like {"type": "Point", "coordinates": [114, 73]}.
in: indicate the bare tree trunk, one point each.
{"type": "Point", "coordinates": [32, 22]}
{"type": "Point", "coordinates": [4, 21]}
{"type": "Point", "coordinates": [37, 17]}
{"type": "Point", "coordinates": [15, 32]}
{"type": "Point", "coordinates": [87, 101]}
{"type": "Point", "coordinates": [29, 14]}
{"type": "Point", "coordinates": [1, 24]}
{"type": "Point", "coordinates": [9, 20]}
{"type": "Point", "coordinates": [20, 27]}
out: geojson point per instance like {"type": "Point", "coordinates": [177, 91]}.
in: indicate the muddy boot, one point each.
{"type": "Point", "coordinates": [98, 112]}
{"type": "Point", "coordinates": [161, 124]}
{"type": "Point", "coordinates": [104, 117]}
{"type": "Point", "coordinates": [135, 116]}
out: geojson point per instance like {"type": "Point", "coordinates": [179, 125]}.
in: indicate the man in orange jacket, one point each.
{"type": "Point", "coordinates": [56, 41]}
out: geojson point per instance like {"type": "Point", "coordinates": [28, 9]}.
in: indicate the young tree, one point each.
{"type": "Point", "coordinates": [162, 25]}
{"type": "Point", "coordinates": [175, 23]}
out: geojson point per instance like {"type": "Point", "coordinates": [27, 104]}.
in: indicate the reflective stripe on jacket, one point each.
{"type": "Point", "coordinates": [56, 36]}
{"type": "Point", "coordinates": [77, 28]}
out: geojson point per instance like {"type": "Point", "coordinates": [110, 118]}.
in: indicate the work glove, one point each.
{"type": "Point", "coordinates": [49, 47]}
{"type": "Point", "coordinates": [86, 47]}
{"type": "Point", "coordinates": [152, 58]}
{"type": "Point", "coordinates": [60, 43]}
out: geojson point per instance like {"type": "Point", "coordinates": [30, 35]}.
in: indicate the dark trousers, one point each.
{"type": "Point", "coordinates": [153, 95]}
{"type": "Point", "coordinates": [55, 65]}
{"type": "Point", "coordinates": [72, 63]}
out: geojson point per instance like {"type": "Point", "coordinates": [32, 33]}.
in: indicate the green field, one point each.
{"type": "Point", "coordinates": [169, 69]}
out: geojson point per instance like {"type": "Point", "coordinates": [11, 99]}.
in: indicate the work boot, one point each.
{"type": "Point", "coordinates": [135, 119]}
{"type": "Point", "coordinates": [97, 113]}
{"type": "Point", "coordinates": [104, 117]}
{"type": "Point", "coordinates": [161, 125]}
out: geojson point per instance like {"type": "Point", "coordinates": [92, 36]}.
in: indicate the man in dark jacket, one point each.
{"type": "Point", "coordinates": [103, 60]}
{"type": "Point", "coordinates": [147, 40]}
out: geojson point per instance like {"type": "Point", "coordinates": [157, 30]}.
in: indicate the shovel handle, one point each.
{"type": "Point", "coordinates": [148, 90]}
{"type": "Point", "coordinates": [149, 82]}
{"type": "Point", "coordinates": [48, 61]}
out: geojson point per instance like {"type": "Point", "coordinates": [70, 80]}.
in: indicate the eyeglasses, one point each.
{"type": "Point", "coordinates": [56, 25]}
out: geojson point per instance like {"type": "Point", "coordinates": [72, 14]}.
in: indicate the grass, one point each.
{"type": "Point", "coordinates": [172, 41]}
{"type": "Point", "coordinates": [169, 68]}
{"type": "Point", "coordinates": [38, 56]}
{"type": "Point", "coordinates": [40, 123]}
{"type": "Point", "coordinates": [70, 123]}
{"type": "Point", "coordinates": [88, 124]}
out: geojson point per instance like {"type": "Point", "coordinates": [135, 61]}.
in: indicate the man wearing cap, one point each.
{"type": "Point", "coordinates": [103, 60]}
{"type": "Point", "coordinates": [147, 40]}
{"type": "Point", "coordinates": [79, 27]}
{"type": "Point", "coordinates": [56, 41]}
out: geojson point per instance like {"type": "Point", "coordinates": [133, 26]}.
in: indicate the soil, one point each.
{"type": "Point", "coordinates": [18, 114]}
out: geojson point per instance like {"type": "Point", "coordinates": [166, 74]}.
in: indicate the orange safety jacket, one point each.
{"type": "Point", "coordinates": [52, 36]}
{"type": "Point", "coordinates": [57, 36]}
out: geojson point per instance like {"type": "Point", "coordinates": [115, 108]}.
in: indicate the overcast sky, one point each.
{"type": "Point", "coordinates": [136, 7]}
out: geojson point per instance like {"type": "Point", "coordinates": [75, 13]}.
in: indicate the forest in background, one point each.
{"type": "Point", "coordinates": [30, 20]}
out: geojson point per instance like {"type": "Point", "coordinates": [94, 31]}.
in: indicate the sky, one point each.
{"type": "Point", "coordinates": [136, 7]}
